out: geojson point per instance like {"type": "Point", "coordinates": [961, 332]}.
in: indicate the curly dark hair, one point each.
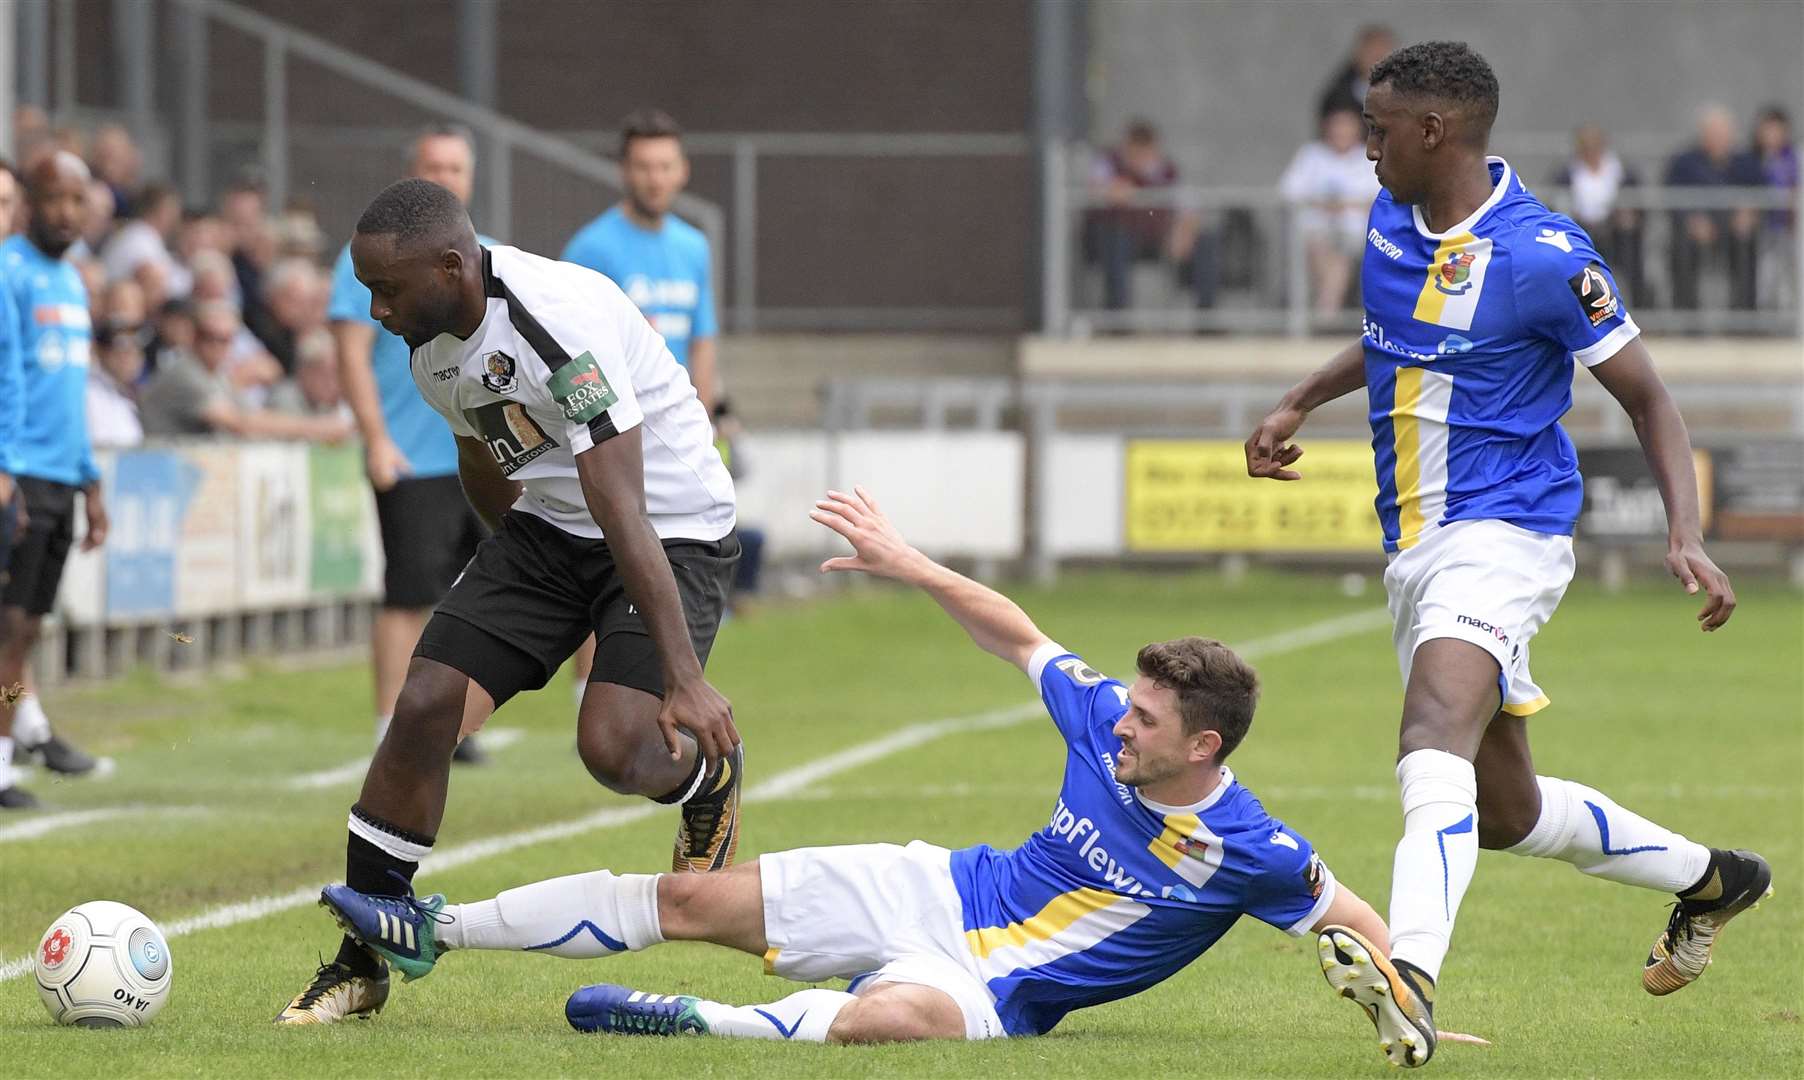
{"type": "Point", "coordinates": [1444, 71]}
{"type": "Point", "coordinates": [414, 211]}
{"type": "Point", "coordinates": [1217, 690]}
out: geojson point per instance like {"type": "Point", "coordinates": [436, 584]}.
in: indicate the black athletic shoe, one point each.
{"type": "Point", "coordinates": [1736, 882]}
{"type": "Point", "coordinates": [17, 798]}
{"type": "Point", "coordinates": [469, 753]}
{"type": "Point", "coordinates": [708, 836]}
{"type": "Point", "coordinates": [337, 993]}
{"type": "Point", "coordinates": [58, 755]}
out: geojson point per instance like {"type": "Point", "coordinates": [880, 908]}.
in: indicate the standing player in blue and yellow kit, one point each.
{"type": "Point", "coordinates": [50, 457]}
{"type": "Point", "coordinates": [1478, 300]}
{"type": "Point", "coordinates": [1152, 852]}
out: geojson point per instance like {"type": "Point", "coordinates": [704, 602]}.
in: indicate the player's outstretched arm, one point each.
{"type": "Point", "coordinates": [1630, 378]}
{"type": "Point", "coordinates": [996, 623]}
{"type": "Point", "coordinates": [612, 475]}
{"type": "Point", "coordinates": [487, 488]}
{"type": "Point", "coordinates": [1270, 453]}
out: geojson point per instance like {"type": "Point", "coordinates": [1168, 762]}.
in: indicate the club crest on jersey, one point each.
{"type": "Point", "coordinates": [1455, 275]}
{"type": "Point", "coordinates": [499, 373]}
{"type": "Point", "coordinates": [1595, 296]}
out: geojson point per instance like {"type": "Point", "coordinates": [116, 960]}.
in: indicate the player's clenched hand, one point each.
{"type": "Point", "coordinates": [1270, 453]}
{"type": "Point", "coordinates": [385, 464]}
{"type": "Point", "coordinates": [699, 709]}
{"type": "Point", "coordinates": [1695, 571]}
{"type": "Point", "coordinates": [880, 548]}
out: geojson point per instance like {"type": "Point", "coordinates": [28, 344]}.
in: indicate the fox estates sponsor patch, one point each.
{"type": "Point", "coordinates": [582, 390]}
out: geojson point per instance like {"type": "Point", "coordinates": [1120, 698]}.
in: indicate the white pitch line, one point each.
{"type": "Point", "coordinates": [494, 739]}
{"type": "Point", "coordinates": [779, 786]}
{"type": "Point", "coordinates": [32, 828]}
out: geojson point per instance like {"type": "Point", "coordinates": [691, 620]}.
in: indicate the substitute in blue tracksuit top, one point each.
{"type": "Point", "coordinates": [47, 343]}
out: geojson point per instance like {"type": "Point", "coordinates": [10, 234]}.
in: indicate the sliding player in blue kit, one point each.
{"type": "Point", "coordinates": [1153, 851]}
{"type": "Point", "coordinates": [1478, 300]}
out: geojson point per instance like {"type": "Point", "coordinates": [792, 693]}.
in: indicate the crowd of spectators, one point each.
{"type": "Point", "coordinates": [1716, 256]}
{"type": "Point", "coordinates": [208, 320]}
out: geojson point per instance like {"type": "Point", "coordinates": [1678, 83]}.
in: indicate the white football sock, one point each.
{"type": "Point", "coordinates": [30, 726]}
{"type": "Point", "coordinates": [1584, 827]}
{"type": "Point", "coordinates": [803, 1016]}
{"type": "Point", "coordinates": [382, 723]}
{"type": "Point", "coordinates": [8, 775]}
{"type": "Point", "coordinates": [1435, 858]}
{"type": "Point", "coordinates": [579, 917]}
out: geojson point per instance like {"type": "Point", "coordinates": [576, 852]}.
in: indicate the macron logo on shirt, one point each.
{"type": "Point", "coordinates": [1383, 243]}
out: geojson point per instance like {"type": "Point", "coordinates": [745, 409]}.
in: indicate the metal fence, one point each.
{"type": "Point", "coordinates": [1261, 273]}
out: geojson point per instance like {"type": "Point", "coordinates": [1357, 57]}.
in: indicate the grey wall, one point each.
{"type": "Point", "coordinates": [1234, 82]}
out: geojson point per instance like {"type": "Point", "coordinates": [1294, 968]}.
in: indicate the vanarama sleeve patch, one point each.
{"type": "Point", "coordinates": [581, 390]}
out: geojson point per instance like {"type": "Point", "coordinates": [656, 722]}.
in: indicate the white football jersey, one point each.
{"type": "Point", "coordinates": [564, 361]}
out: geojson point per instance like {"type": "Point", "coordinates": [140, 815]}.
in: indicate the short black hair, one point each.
{"type": "Point", "coordinates": [647, 124]}
{"type": "Point", "coordinates": [1444, 71]}
{"type": "Point", "coordinates": [415, 211]}
{"type": "Point", "coordinates": [441, 130]}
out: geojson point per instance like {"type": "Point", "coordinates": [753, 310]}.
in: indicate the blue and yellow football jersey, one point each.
{"type": "Point", "coordinates": [1118, 893]}
{"type": "Point", "coordinates": [1470, 338]}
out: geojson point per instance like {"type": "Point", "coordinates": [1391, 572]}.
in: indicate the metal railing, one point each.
{"type": "Point", "coordinates": [1264, 286]}
{"type": "Point", "coordinates": [502, 135]}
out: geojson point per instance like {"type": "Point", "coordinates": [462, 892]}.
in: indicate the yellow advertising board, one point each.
{"type": "Point", "coordinates": [1196, 495]}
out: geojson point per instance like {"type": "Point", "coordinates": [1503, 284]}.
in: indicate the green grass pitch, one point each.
{"type": "Point", "coordinates": [1703, 733]}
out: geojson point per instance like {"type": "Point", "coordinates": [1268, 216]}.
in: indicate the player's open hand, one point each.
{"type": "Point", "coordinates": [1270, 453]}
{"type": "Point", "coordinates": [699, 709]}
{"type": "Point", "coordinates": [1696, 572]}
{"type": "Point", "coordinates": [880, 548]}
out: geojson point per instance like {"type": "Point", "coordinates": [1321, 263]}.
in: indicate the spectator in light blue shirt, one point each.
{"type": "Point", "coordinates": [659, 260]}
{"type": "Point", "coordinates": [48, 452]}
{"type": "Point", "coordinates": [428, 531]}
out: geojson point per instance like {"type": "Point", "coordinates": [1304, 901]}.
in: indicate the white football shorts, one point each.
{"type": "Point", "coordinates": [1487, 582]}
{"type": "Point", "coordinates": [873, 913]}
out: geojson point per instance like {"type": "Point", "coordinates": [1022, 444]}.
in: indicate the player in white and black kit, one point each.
{"type": "Point", "coordinates": [573, 423]}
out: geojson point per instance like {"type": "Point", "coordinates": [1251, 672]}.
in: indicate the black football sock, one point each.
{"type": "Point", "coordinates": [375, 853]}
{"type": "Point", "coordinates": [691, 784]}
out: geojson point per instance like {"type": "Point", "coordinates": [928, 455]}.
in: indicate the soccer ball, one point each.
{"type": "Point", "coordinates": [103, 964]}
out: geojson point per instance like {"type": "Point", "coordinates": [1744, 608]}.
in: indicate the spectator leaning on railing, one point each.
{"type": "Point", "coordinates": [1595, 176]}
{"type": "Point", "coordinates": [1119, 232]}
{"type": "Point", "coordinates": [1774, 156]}
{"type": "Point", "coordinates": [1697, 234]}
{"type": "Point", "coordinates": [1332, 185]}
{"type": "Point", "coordinates": [192, 393]}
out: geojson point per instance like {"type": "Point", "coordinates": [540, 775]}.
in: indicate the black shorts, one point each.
{"type": "Point", "coordinates": [36, 569]}
{"type": "Point", "coordinates": [534, 592]}
{"type": "Point", "coordinates": [428, 533]}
